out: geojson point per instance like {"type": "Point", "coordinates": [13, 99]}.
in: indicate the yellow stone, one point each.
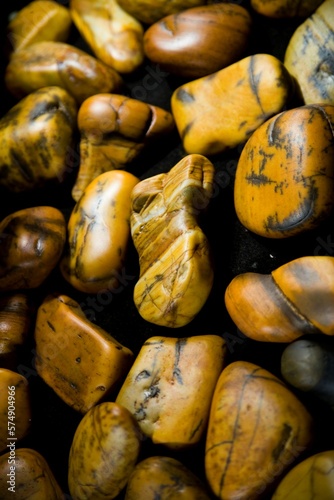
{"type": "Point", "coordinates": [284, 178]}
{"type": "Point", "coordinates": [39, 21]}
{"type": "Point", "coordinates": [80, 361]}
{"type": "Point", "coordinates": [115, 37]}
{"type": "Point", "coordinates": [309, 56]}
{"type": "Point", "coordinates": [15, 408]}
{"type": "Point", "coordinates": [176, 272]}
{"type": "Point", "coordinates": [257, 429]}
{"type": "Point", "coordinates": [170, 385]}
{"type": "Point", "coordinates": [221, 110]}
{"type": "Point", "coordinates": [311, 478]}
{"type": "Point", "coordinates": [114, 129]}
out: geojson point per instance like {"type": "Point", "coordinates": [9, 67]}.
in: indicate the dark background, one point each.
{"type": "Point", "coordinates": [235, 250]}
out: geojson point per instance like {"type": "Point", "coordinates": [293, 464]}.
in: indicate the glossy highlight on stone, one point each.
{"type": "Point", "coordinates": [115, 37]}
{"type": "Point", "coordinates": [32, 242]}
{"type": "Point", "coordinates": [295, 299]}
{"type": "Point", "coordinates": [199, 41]}
{"type": "Point", "coordinates": [63, 65]}
{"type": "Point", "coordinates": [285, 174]}
{"type": "Point", "coordinates": [114, 129]}
{"type": "Point", "coordinates": [99, 234]}
{"type": "Point", "coordinates": [39, 21]}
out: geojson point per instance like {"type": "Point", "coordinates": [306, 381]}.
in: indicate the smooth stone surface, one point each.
{"type": "Point", "coordinates": [114, 129]}
{"type": "Point", "coordinates": [63, 65]}
{"type": "Point", "coordinates": [199, 41]}
{"type": "Point", "coordinates": [79, 360]}
{"type": "Point", "coordinates": [33, 240]}
{"type": "Point", "coordinates": [115, 37]}
{"type": "Point", "coordinates": [285, 174]}
{"type": "Point", "coordinates": [221, 110]}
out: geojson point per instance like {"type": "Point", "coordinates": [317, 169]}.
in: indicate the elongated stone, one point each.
{"type": "Point", "coordinates": [115, 37]}
{"type": "Point", "coordinates": [176, 273]}
{"type": "Point", "coordinates": [222, 110]}
{"type": "Point", "coordinates": [257, 429]}
{"type": "Point", "coordinates": [63, 65]}
{"type": "Point", "coordinates": [199, 41]}
{"type": "Point", "coordinates": [39, 21]}
{"type": "Point", "coordinates": [99, 234]}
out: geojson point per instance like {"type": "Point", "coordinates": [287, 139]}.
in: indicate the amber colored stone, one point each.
{"type": "Point", "coordinates": [284, 180]}
{"type": "Point", "coordinates": [36, 136]}
{"type": "Point", "coordinates": [283, 9]}
{"type": "Point", "coordinates": [170, 386]}
{"type": "Point", "coordinates": [104, 452]}
{"type": "Point", "coordinates": [165, 478]}
{"type": "Point", "coordinates": [115, 37]}
{"type": "Point", "coordinates": [176, 271]}
{"type": "Point", "coordinates": [15, 408]}
{"type": "Point", "coordinates": [63, 65]}
{"type": "Point", "coordinates": [33, 240]}
{"type": "Point", "coordinates": [39, 21]}
{"type": "Point", "coordinates": [149, 11]}
{"type": "Point", "coordinates": [257, 429]}
{"type": "Point", "coordinates": [221, 110]}
{"type": "Point", "coordinates": [99, 234]}
{"type": "Point", "coordinates": [312, 478]}
{"type": "Point", "coordinates": [15, 322]}
{"type": "Point", "coordinates": [79, 360]}
{"type": "Point", "coordinates": [309, 55]}
{"type": "Point", "coordinates": [34, 478]}
{"type": "Point", "coordinates": [295, 299]}
{"type": "Point", "coordinates": [114, 129]}
{"type": "Point", "coordinates": [199, 41]}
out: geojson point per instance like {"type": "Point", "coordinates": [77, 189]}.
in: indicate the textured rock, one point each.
{"type": "Point", "coordinates": [176, 273]}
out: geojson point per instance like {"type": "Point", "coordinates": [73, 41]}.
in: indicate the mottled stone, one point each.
{"type": "Point", "coordinates": [221, 110]}
{"type": "Point", "coordinates": [176, 272]}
